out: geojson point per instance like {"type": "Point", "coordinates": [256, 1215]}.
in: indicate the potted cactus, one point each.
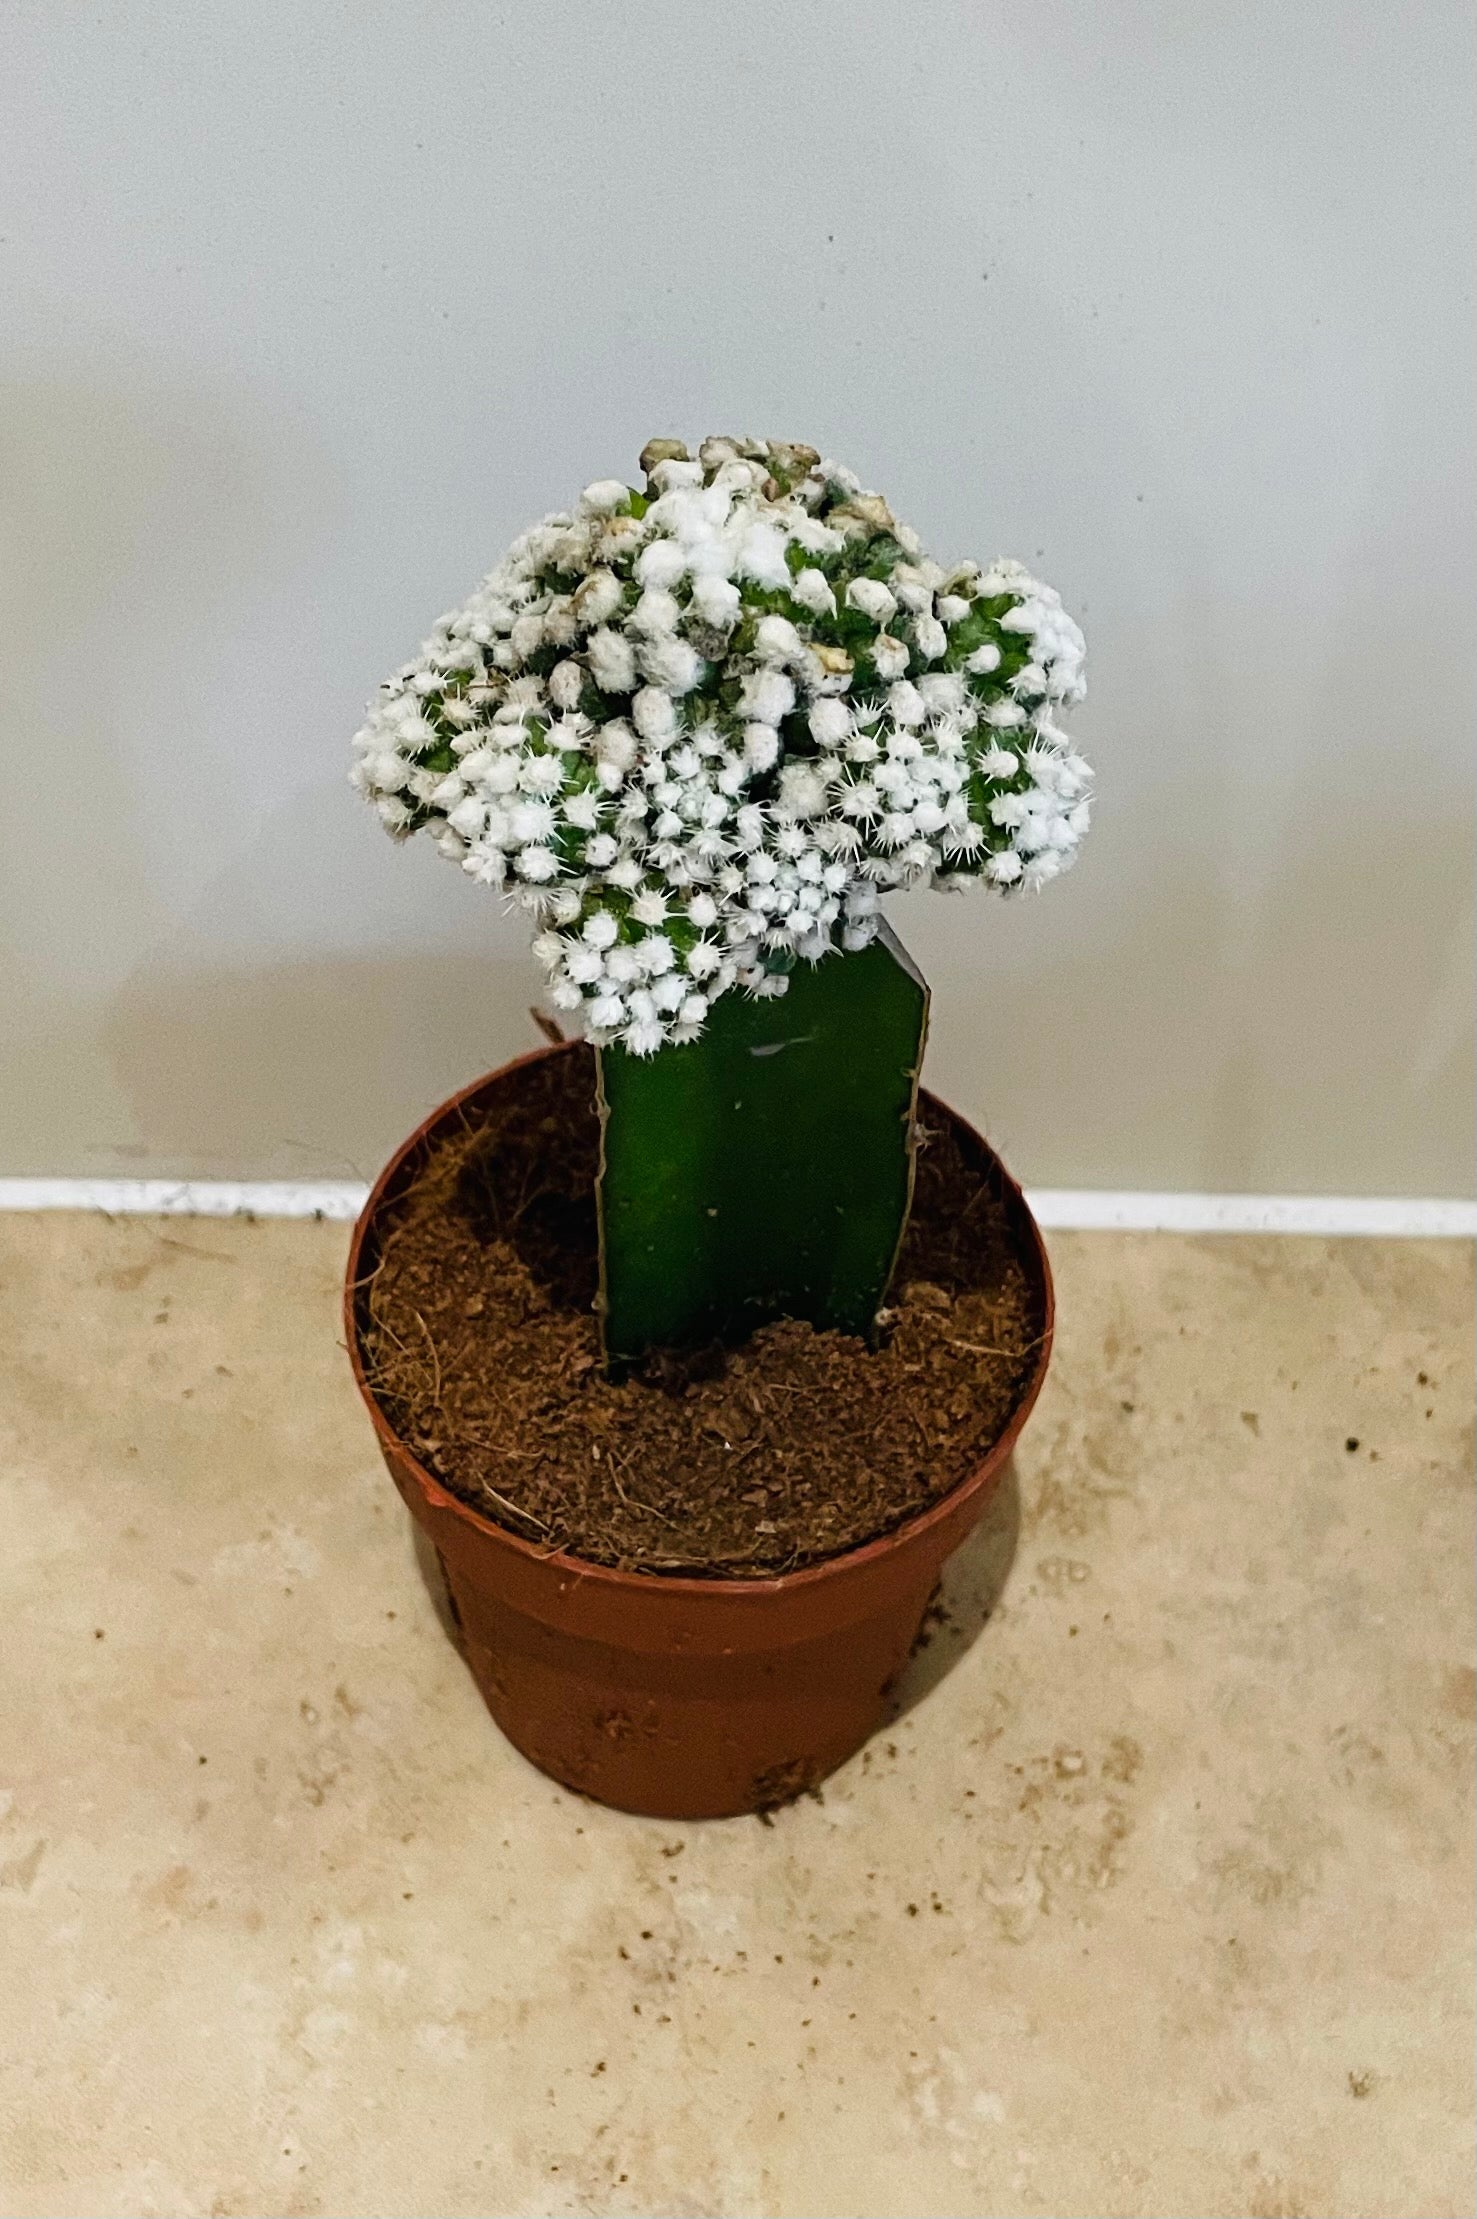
{"type": "Point", "coordinates": [696, 1341]}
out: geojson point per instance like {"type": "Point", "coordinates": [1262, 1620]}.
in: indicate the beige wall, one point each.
{"type": "Point", "coordinates": [304, 309]}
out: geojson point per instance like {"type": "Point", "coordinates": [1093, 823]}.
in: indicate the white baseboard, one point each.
{"type": "Point", "coordinates": [1081, 1208]}
{"type": "Point", "coordinates": [337, 1198]}
{"type": "Point", "coordinates": [1372, 1216]}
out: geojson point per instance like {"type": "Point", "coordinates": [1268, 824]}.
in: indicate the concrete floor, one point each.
{"type": "Point", "coordinates": [1156, 1900]}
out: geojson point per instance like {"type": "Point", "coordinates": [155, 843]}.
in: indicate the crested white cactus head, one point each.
{"type": "Point", "coordinates": [697, 729]}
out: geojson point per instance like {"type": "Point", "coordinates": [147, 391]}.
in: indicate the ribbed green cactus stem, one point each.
{"type": "Point", "coordinates": [764, 1170]}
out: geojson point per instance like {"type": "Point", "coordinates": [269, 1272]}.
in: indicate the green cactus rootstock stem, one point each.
{"type": "Point", "coordinates": [766, 1169]}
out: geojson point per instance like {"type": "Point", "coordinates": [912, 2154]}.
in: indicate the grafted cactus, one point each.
{"type": "Point", "coordinates": [699, 729]}
{"type": "Point", "coordinates": [766, 1171]}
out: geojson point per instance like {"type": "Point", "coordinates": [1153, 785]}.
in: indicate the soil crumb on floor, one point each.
{"type": "Point", "coordinates": [480, 1340]}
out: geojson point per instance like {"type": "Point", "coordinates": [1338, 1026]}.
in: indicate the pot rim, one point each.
{"type": "Point", "coordinates": [683, 1585]}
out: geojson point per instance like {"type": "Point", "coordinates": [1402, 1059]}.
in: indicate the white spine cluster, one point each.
{"type": "Point", "coordinates": [699, 731]}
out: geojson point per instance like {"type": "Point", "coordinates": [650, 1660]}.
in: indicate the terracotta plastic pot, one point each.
{"type": "Point", "coordinates": [677, 1697]}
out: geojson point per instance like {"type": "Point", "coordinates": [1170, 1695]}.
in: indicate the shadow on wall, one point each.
{"type": "Point", "coordinates": [1259, 976]}
{"type": "Point", "coordinates": [1162, 1028]}
{"type": "Point", "coordinates": [1258, 979]}
{"type": "Point", "coordinates": [148, 520]}
{"type": "Point", "coordinates": [318, 1066]}
{"type": "Point", "coordinates": [313, 1069]}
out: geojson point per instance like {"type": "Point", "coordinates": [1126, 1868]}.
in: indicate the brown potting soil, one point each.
{"type": "Point", "coordinates": [482, 1348]}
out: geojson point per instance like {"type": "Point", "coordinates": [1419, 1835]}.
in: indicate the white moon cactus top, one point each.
{"type": "Point", "coordinates": [699, 731]}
